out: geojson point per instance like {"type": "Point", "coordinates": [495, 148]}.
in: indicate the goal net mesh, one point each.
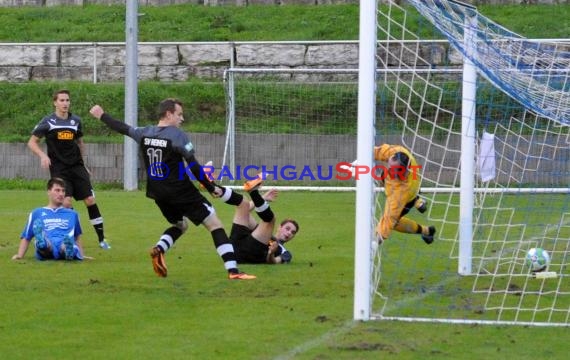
{"type": "Point", "coordinates": [522, 169]}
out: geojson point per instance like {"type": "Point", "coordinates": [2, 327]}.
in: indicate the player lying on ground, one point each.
{"type": "Point", "coordinates": [256, 243]}
{"type": "Point", "coordinates": [56, 228]}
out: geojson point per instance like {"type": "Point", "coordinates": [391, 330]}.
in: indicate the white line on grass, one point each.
{"type": "Point", "coordinates": [349, 325]}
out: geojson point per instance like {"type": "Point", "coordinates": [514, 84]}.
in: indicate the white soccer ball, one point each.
{"type": "Point", "coordinates": [537, 259]}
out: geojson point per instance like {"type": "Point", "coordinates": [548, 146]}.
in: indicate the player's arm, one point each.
{"type": "Point", "coordinates": [24, 244]}
{"type": "Point", "coordinates": [113, 124]}
{"type": "Point", "coordinates": [283, 258]}
{"type": "Point", "coordinates": [77, 232]}
{"type": "Point", "coordinates": [34, 145]}
{"type": "Point", "coordinates": [81, 145]}
{"type": "Point", "coordinates": [198, 173]}
{"type": "Point", "coordinates": [79, 244]}
{"type": "Point", "coordinates": [271, 258]}
{"type": "Point", "coordinates": [384, 152]}
{"type": "Point", "coordinates": [83, 151]}
{"type": "Point", "coordinates": [26, 237]}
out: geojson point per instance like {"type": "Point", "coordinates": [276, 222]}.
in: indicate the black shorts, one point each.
{"type": "Point", "coordinates": [195, 211]}
{"type": "Point", "coordinates": [247, 249]}
{"type": "Point", "coordinates": [77, 181]}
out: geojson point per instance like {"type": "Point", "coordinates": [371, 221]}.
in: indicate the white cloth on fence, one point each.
{"type": "Point", "coordinates": [487, 169]}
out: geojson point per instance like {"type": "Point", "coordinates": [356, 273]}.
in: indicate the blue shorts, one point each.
{"type": "Point", "coordinates": [58, 252]}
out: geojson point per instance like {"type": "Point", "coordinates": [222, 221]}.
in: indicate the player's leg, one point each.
{"type": "Point", "coordinates": [242, 214]}
{"type": "Point", "coordinates": [228, 196]}
{"type": "Point", "coordinates": [68, 202]}
{"type": "Point", "coordinates": [83, 190]}
{"type": "Point", "coordinates": [68, 247]}
{"type": "Point", "coordinates": [42, 244]}
{"type": "Point", "coordinates": [390, 217]}
{"type": "Point", "coordinates": [224, 247]}
{"type": "Point", "coordinates": [261, 206]}
{"type": "Point", "coordinates": [68, 199]}
{"type": "Point", "coordinates": [96, 221]}
{"type": "Point", "coordinates": [409, 226]}
{"type": "Point", "coordinates": [420, 204]}
{"type": "Point", "coordinates": [174, 215]}
{"type": "Point", "coordinates": [264, 230]}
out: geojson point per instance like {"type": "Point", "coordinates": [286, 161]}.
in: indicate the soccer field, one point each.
{"type": "Point", "coordinates": [116, 307]}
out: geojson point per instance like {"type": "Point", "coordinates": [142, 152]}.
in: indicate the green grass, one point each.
{"type": "Point", "coordinates": [115, 307]}
{"type": "Point", "coordinates": [180, 23]}
{"type": "Point", "coordinates": [187, 22]}
{"type": "Point", "coordinates": [528, 20]}
{"type": "Point", "coordinates": [204, 106]}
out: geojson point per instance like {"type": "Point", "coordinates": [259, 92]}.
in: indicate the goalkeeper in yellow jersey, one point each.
{"type": "Point", "coordinates": [402, 185]}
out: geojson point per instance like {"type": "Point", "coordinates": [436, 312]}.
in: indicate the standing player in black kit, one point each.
{"type": "Point", "coordinates": [64, 159]}
{"type": "Point", "coordinates": [168, 153]}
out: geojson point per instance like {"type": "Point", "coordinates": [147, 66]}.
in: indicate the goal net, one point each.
{"type": "Point", "coordinates": [494, 145]}
{"type": "Point", "coordinates": [295, 125]}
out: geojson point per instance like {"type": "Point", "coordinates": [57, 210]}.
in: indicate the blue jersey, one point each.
{"type": "Point", "coordinates": [56, 224]}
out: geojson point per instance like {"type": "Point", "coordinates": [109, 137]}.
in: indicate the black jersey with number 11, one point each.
{"type": "Point", "coordinates": [165, 151]}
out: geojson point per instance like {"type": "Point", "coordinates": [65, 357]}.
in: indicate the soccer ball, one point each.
{"type": "Point", "coordinates": [537, 259]}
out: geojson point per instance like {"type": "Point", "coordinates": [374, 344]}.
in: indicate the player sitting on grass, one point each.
{"type": "Point", "coordinates": [56, 228]}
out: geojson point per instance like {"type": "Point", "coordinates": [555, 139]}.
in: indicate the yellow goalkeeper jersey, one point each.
{"type": "Point", "coordinates": [407, 186]}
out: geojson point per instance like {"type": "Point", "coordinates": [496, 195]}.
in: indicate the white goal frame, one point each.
{"type": "Point", "coordinates": [364, 233]}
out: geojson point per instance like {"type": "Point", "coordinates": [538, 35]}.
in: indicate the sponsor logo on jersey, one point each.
{"type": "Point", "coordinates": [65, 135]}
{"type": "Point", "coordinates": [55, 223]}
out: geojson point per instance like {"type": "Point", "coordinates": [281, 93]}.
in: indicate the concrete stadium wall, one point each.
{"type": "Point", "coordinates": [105, 62]}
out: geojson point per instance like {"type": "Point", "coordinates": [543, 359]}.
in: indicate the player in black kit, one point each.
{"type": "Point", "coordinates": [256, 243]}
{"type": "Point", "coordinates": [64, 159]}
{"type": "Point", "coordinates": [168, 154]}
